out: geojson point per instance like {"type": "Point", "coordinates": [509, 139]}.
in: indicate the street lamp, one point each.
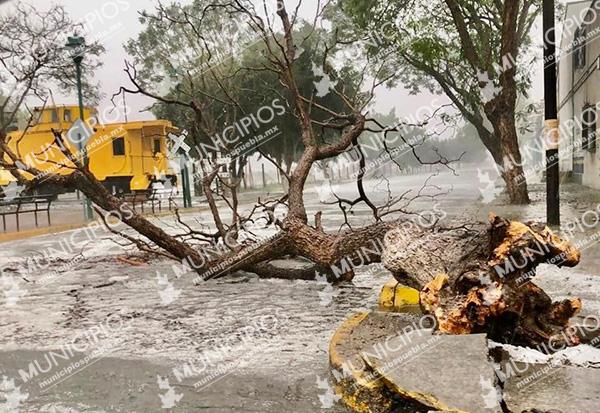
{"type": "Point", "coordinates": [76, 47]}
{"type": "Point", "coordinates": [550, 115]}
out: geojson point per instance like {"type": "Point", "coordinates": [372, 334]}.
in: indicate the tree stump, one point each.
{"type": "Point", "coordinates": [479, 280]}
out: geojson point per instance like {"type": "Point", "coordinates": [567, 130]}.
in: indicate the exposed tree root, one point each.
{"type": "Point", "coordinates": [480, 281]}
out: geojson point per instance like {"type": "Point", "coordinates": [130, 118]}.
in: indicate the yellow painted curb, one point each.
{"type": "Point", "coordinates": [395, 296]}
{"type": "Point", "coordinates": [360, 386]}
{"type": "Point", "coordinates": [425, 399]}
{"type": "Point", "coordinates": [353, 386]}
{"type": "Point", "coordinates": [340, 334]}
{"type": "Point", "coordinates": [30, 233]}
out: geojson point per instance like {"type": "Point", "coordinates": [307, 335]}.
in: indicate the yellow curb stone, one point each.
{"type": "Point", "coordinates": [396, 297]}
{"type": "Point", "coordinates": [356, 390]}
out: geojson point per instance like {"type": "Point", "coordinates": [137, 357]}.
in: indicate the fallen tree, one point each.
{"type": "Point", "coordinates": [456, 270]}
{"type": "Point", "coordinates": [325, 133]}
{"type": "Point", "coordinates": [479, 279]}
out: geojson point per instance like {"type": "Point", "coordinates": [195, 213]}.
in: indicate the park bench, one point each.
{"type": "Point", "coordinates": [158, 195]}
{"type": "Point", "coordinates": [136, 198]}
{"type": "Point", "coordinates": [155, 197]}
{"type": "Point", "coordinates": [25, 205]}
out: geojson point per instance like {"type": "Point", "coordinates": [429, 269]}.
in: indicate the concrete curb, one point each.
{"type": "Point", "coordinates": [360, 387]}
{"type": "Point", "coordinates": [389, 360]}
{"type": "Point", "coordinates": [357, 384]}
{"type": "Point", "coordinates": [356, 391]}
{"type": "Point", "coordinates": [354, 380]}
{"type": "Point", "coordinates": [35, 232]}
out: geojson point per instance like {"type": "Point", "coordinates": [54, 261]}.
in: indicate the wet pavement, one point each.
{"type": "Point", "coordinates": [236, 344]}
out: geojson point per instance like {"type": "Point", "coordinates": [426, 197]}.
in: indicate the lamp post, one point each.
{"type": "Point", "coordinates": [550, 116]}
{"type": "Point", "coordinates": [76, 45]}
{"type": "Point", "coordinates": [185, 182]}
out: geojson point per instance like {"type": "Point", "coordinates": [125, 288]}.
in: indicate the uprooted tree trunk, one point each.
{"type": "Point", "coordinates": [479, 281]}
{"type": "Point", "coordinates": [471, 280]}
{"type": "Point", "coordinates": [295, 238]}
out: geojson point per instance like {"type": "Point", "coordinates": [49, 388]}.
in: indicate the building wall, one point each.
{"type": "Point", "coordinates": [565, 113]}
{"type": "Point", "coordinates": [587, 81]}
{"type": "Point", "coordinates": [589, 93]}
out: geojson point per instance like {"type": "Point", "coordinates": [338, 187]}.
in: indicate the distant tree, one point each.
{"type": "Point", "coordinates": [229, 83]}
{"type": "Point", "coordinates": [466, 141]}
{"type": "Point", "coordinates": [33, 60]}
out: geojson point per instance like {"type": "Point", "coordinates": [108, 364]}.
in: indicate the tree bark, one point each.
{"type": "Point", "coordinates": [500, 110]}
{"type": "Point", "coordinates": [98, 194]}
{"type": "Point", "coordinates": [480, 281]}
{"type": "Point", "coordinates": [511, 164]}
{"type": "Point", "coordinates": [334, 255]}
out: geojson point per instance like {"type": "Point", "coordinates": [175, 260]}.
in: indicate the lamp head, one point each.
{"type": "Point", "coordinates": [76, 46]}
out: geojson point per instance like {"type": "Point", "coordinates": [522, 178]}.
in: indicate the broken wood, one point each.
{"type": "Point", "coordinates": [479, 280]}
{"type": "Point", "coordinates": [132, 262]}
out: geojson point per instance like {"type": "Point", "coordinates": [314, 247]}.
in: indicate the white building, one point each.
{"type": "Point", "coordinates": [579, 91]}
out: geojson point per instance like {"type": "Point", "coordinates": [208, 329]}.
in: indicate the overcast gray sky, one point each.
{"type": "Point", "coordinates": [116, 21]}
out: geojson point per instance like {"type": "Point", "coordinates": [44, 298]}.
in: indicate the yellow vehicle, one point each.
{"type": "Point", "coordinates": [125, 157]}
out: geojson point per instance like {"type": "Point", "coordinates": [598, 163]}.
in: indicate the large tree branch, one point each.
{"type": "Point", "coordinates": [468, 45]}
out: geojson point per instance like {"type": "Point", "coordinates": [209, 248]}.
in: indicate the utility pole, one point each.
{"type": "Point", "coordinates": [551, 134]}
{"type": "Point", "coordinates": [185, 182]}
{"type": "Point", "coordinates": [76, 45]}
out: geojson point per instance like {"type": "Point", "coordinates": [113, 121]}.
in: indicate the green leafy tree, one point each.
{"type": "Point", "coordinates": [474, 52]}
{"type": "Point", "coordinates": [233, 85]}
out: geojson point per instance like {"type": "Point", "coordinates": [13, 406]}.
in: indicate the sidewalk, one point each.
{"type": "Point", "coordinates": [388, 361]}
{"type": "Point", "coordinates": [67, 214]}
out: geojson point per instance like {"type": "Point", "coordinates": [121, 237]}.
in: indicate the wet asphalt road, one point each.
{"type": "Point", "coordinates": [237, 344]}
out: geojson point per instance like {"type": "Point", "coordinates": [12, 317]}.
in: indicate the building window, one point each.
{"type": "Point", "coordinates": [156, 146]}
{"type": "Point", "coordinates": [67, 115]}
{"type": "Point", "coordinates": [579, 45]}
{"type": "Point", "coordinates": [588, 128]}
{"type": "Point", "coordinates": [54, 116]}
{"type": "Point", "coordinates": [118, 145]}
